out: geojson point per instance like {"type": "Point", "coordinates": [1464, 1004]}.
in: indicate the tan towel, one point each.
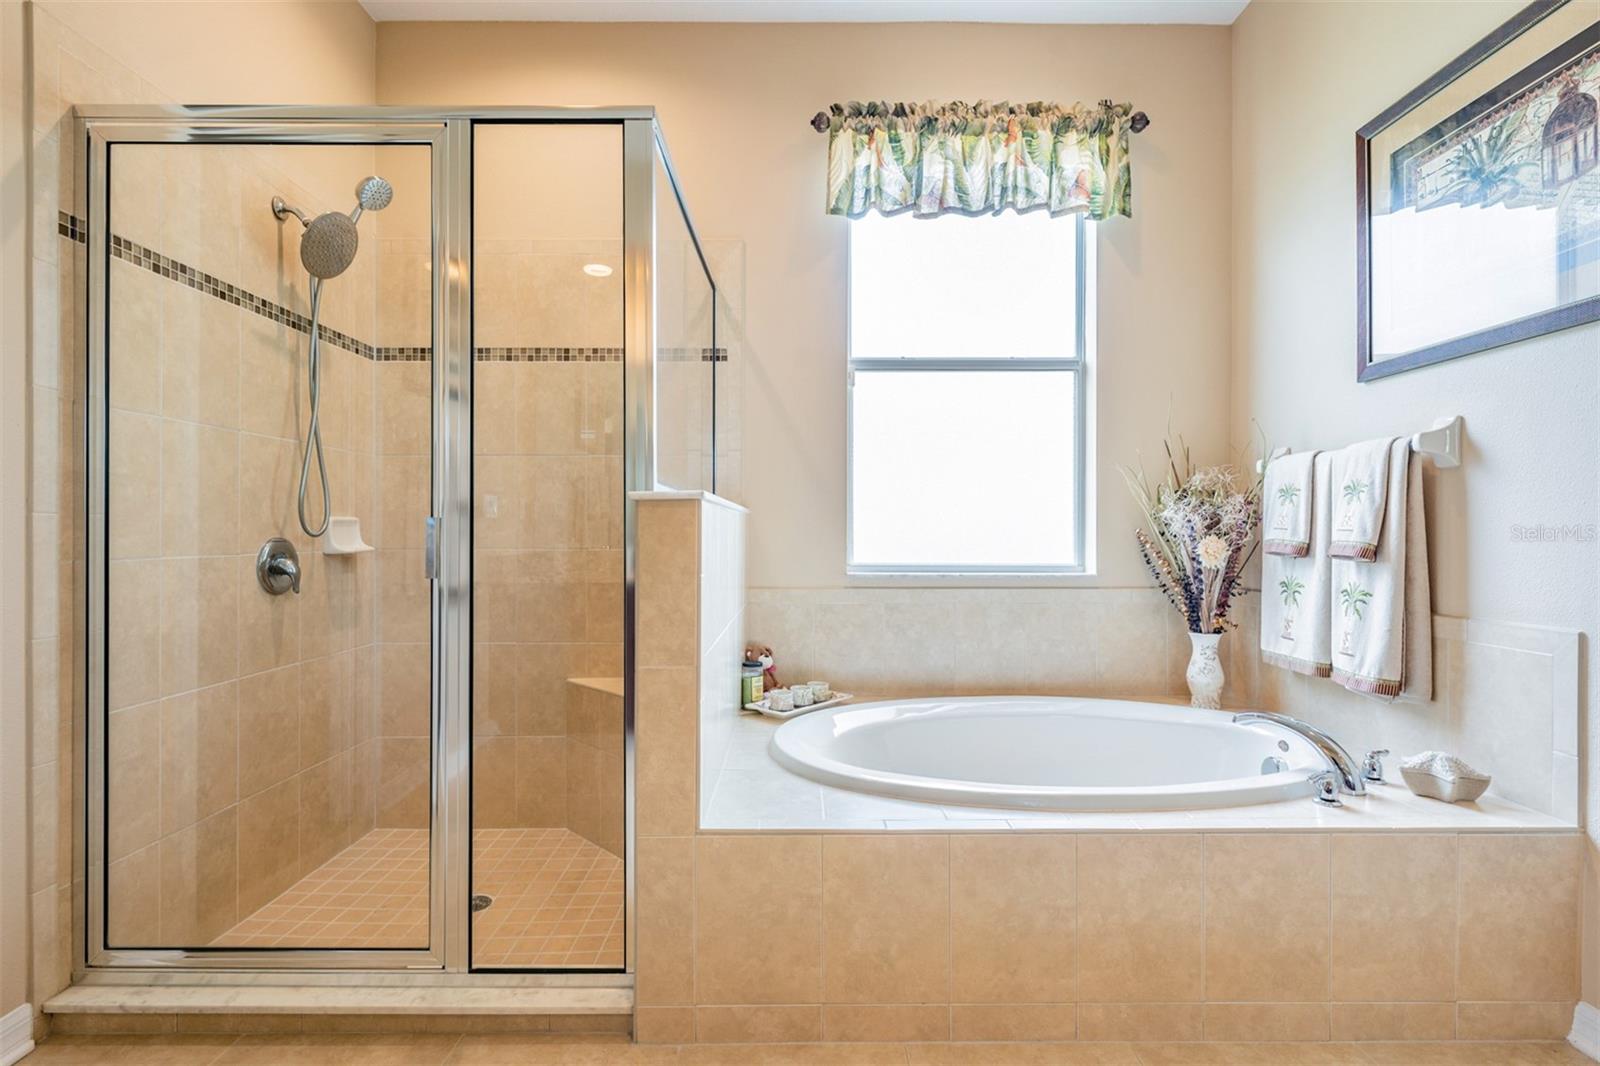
{"type": "Point", "coordinates": [1360, 490]}
{"type": "Point", "coordinates": [1287, 498]}
{"type": "Point", "coordinates": [1381, 611]}
{"type": "Point", "coordinates": [1295, 591]}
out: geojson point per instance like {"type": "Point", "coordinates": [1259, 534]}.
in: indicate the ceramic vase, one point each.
{"type": "Point", "coordinates": [1205, 671]}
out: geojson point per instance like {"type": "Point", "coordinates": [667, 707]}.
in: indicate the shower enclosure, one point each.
{"type": "Point", "coordinates": [359, 549]}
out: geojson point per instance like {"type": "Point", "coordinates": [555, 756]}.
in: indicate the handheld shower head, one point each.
{"type": "Point", "coordinates": [328, 246]}
{"type": "Point", "coordinates": [374, 193]}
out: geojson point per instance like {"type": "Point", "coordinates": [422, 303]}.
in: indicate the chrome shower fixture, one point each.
{"type": "Point", "coordinates": [329, 243]}
{"type": "Point", "coordinates": [327, 248]}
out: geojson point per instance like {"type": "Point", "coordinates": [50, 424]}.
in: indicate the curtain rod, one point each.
{"type": "Point", "coordinates": [1138, 122]}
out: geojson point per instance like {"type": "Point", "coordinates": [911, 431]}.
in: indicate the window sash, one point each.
{"type": "Point", "coordinates": [1077, 364]}
{"type": "Point", "coordinates": [1079, 472]}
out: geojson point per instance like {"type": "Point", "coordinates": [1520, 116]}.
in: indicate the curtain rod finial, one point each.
{"type": "Point", "coordinates": [819, 122]}
{"type": "Point", "coordinates": [1139, 122]}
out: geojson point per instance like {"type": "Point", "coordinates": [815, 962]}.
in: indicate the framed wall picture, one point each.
{"type": "Point", "coordinates": [1478, 197]}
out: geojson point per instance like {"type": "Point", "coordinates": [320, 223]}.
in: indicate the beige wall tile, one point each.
{"type": "Point", "coordinates": [1519, 934]}
{"type": "Point", "coordinates": [1141, 917]}
{"type": "Point", "coordinates": [199, 623]}
{"type": "Point", "coordinates": [666, 884]}
{"type": "Point", "coordinates": [666, 731]}
{"type": "Point", "coordinates": [1393, 1021]}
{"type": "Point", "coordinates": [133, 483]}
{"type": "Point", "coordinates": [404, 703]}
{"type": "Point", "coordinates": [886, 919]}
{"type": "Point", "coordinates": [758, 919]}
{"type": "Point", "coordinates": [1013, 916]}
{"type": "Point", "coordinates": [1265, 1021]}
{"type": "Point", "coordinates": [862, 1023]}
{"type": "Point", "coordinates": [269, 472]}
{"type": "Point", "coordinates": [403, 781]}
{"type": "Point", "coordinates": [133, 655]}
{"type": "Point", "coordinates": [663, 1025]}
{"type": "Point", "coordinates": [1140, 1021]}
{"type": "Point", "coordinates": [325, 693]}
{"type": "Point", "coordinates": [133, 780]}
{"type": "Point", "coordinates": [269, 728]}
{"type": "Point", "coordinates": [1014, 1021]}
{"type": "Point", "coordinates": [494, 782]}
{"type": "Point", "coordinates": [1267, 899]}
{"type": "Point", "coordinates": [199, 357]}
{"type": "Point", "coordinates": [668, 565]}
{"type": "Point", "coordinates": [541, 786]}
{"type": "Point", "coordinates": [324, 811]}
{"type": "Point", "coordinates": [758, 1025]}
{"type": "Point", "coordinates": [199, 501]}
{"type": "Point", "coordinates": [133, 899]}
{"type": "Point", "coordinates": [1513, 1021]}
{"type": "Point", "coordinates": [269, 843]}
{"type": "Point", "coordinates": [135, 317]}
{"type": "Point", "coordinates": [200, 880]}
{"type": "Point", "coordinates": [1394, 917]}
{"type": "Point", "coordinates": [199, 755]}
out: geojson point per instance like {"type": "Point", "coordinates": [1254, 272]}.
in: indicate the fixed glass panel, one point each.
{"type": "Point", "coordinates": [999, 287]}
{"type": "Point", "coordinates": [686, 355]}
{"type": "Point", "coordinates": [267, 695]}
{"type": "Point", "coordinates": [547, 708]}
{"type": "Point", "coordinates": [955, 469]}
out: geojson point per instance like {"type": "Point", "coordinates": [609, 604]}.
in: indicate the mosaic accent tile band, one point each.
{"type": "Point", "coordinates": [76, 229]}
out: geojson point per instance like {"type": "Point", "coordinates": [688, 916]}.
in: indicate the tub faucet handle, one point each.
{"type": "Point", "coordinates": [1372, 765]}
{"type": "Point", "coordinates": [1326, 784]}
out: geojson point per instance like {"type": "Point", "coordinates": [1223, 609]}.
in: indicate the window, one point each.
{"type": "Point", "coordinates": [967, 342]}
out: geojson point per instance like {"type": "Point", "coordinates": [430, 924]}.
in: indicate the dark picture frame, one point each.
{"type": "Point", "coordinates": [1555, 318]}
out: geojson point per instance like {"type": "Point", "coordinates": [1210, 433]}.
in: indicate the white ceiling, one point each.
{"type": "Point", "coordinates": [1207, 12]}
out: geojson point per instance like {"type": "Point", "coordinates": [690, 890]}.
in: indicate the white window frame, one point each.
{"type": "Point", "coordinates": [1078, 364]}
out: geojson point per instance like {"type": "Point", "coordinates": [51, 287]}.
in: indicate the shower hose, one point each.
{"type": "Point", "coordinates": [314, 431]}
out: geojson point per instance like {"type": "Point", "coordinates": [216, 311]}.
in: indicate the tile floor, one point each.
{"type": "Point", "coordinates": [557, 900]}
{"type": "Point", "coordinates": [438, 1049]}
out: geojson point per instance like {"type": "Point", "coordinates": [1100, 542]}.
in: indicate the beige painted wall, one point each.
{"type": "Point", "coordinates": [734, 101]}
{"type": "Point", "coordinates": [1532, 410]}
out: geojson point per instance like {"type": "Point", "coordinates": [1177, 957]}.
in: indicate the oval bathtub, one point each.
{"type": "Point", "coordinates": [1051, 752]}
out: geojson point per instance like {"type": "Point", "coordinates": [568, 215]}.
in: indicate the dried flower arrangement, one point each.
{"type": "Point", "coordinates": [1199, 534]}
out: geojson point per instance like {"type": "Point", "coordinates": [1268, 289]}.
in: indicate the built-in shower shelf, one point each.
{"type": "Point", "coordinates": [611, 686]}
{"type": "Point", "coordinates": [484, 998]}
{"type": "Point", "coordinates": [344, 537]}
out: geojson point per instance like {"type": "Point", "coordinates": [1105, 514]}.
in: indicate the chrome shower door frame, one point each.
{"type": "Point", "coordinates": [449, 135]}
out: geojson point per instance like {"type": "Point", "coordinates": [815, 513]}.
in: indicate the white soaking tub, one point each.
{"type": "Point", "coordinates": [1050, 752]}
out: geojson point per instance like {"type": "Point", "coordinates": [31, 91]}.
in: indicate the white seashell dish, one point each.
{"type": "Point", "coordinates": [1441, 776]}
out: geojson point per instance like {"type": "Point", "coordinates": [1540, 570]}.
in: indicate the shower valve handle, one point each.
{"type": "Point", "coordinates": [278, 567]}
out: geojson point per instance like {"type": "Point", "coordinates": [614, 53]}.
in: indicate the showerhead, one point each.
{"type": "Point", "coordinates": [373, 193]}
{"type": "Point", "coordinates": [328, 246]}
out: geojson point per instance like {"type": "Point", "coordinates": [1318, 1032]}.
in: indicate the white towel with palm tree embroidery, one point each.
{"type": "Point", "coordinates": [1382, 615]}
{"type": "Point", "coordinates": [1287, 529]}
{"type": "Point", "coordinates": [1295, 590]}
{"type": "Point", "coordinates": [1361, 490]}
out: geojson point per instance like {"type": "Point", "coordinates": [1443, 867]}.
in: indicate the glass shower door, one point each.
{"type": "Point", "coordinates": [261, 395]}
{"type": "Point", "coordinates": [547, 469]}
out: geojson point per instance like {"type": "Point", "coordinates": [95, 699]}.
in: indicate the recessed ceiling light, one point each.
{"type": "Point", "coordinates": [597, 270]}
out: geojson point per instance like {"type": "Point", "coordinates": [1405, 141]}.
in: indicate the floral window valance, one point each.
{"type": "Point", "coordinates": [933, 159]}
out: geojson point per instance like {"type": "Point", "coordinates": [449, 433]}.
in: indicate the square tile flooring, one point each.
{"type": "Point", "coordinates": [557, 900]}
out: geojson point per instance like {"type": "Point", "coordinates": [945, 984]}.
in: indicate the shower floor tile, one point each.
{"type": "Point", "coordinates": [557, 900]}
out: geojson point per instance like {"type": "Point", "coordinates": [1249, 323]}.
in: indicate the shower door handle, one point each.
{"type": "Point", "coordinates": [430, 549]}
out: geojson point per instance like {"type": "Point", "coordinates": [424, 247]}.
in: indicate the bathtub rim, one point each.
{"type": "Point", "coordinates": [1254, 790]}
